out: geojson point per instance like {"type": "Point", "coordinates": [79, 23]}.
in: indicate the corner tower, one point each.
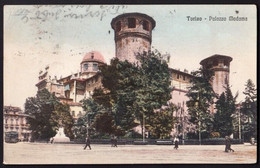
{"type": "Point", "coordinates": [220, 64]}
{"type": "Point", "coordinates": [133, 35]}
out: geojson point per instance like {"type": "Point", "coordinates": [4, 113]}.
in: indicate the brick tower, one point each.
{"type": "Point", "coordinates": [133, 35]}
{"type": "Point", "coordinates": [220, 64]}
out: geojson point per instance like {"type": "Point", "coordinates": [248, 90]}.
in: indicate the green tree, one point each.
{"type": "Point", "coordinates": [62, 114]}
{"type": "Point", "coordinates": [162, 122]}
{"type": "Point", "coordinates": [225, 109]}
{"type": "Point", "coordinates": [153, 86]}
{"type": "Point", "coordinates": [201, 97]}
{"type": "Point", "coordinates": [117, 96]}
{"type": "Point", "coordinates": [134, 91]}
{"type": "Point", "coordinates": [46, 115]}
{"type": "Point", "coordinates": [84, 123]}
{"type": "Point", "coordinates": [249, 111]}
{"type": "Point", "coordinates": [41, 111]}
{"type": "Point", "coordinates": [104, 123]}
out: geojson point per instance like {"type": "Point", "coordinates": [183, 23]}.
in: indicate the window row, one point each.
{"type": "Point", "coordinates": [12, 120]}
{"type": "Point", "coordinates": [132, 24]}
{"type": "Point", "coordinates": [95, 66]}
{"type": "Point", "coordinates": [183, 77]}
{"type": "Point", "coordinates": [78, 115]}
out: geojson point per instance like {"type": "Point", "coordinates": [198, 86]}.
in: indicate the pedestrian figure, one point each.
{"type": "Point", "coordinates": [228, 144]}
{"type": "Point", "coordinates": [115, 141]}
{"type": "Point", "coordinates": [87, 143]}
{"type": "Point", "coordinates": [112, 141]}
{"type": "Point", "coordinates": [252, 141]}
{"type": "Point", "coordinates": [51, 140]}
{"type": "Point", "coordinates": [176, 143]}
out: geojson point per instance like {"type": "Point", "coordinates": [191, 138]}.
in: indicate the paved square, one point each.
{"type": "Point", "coordinates": [40, 153]}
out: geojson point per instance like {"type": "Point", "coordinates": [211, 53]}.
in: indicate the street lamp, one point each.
{"type": "Point", "coordinates": [239, 121]}
{"type": "Point", "coordinates": [197, 104]}
{"type": "Point", "coordinates": [143, 127]}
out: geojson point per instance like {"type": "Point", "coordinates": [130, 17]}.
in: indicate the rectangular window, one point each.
{"type": "Point", "coordinates": [226, 80]}
{"type": "Point", "coordinates": [131, 23]}
{"type": "Point", "coordinates": [183, 77]}
{"type": "Point", "coordinates": [67, 94]}
{"type": "Point", "coordinates": [178, 76]}
{"type": "Point", "coordinates": [145, 25]}
{"type": "Point", "coordinates": [118, 26]}
{"type": "Point", "coordinates": [95, 67]}
{"type": "Point", "coordinates": [85, 66]}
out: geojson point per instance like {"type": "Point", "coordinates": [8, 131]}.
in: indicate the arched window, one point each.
{"type": "Point", "coordinates": [131, 23]}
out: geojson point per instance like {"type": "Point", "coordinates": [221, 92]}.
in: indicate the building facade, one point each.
{"type": "Point", "coordinates": [74, 88]}
{"type": "Point", "coordinates": [15, 120]}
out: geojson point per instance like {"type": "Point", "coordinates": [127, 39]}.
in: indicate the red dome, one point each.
{"type": "Point", "coordinates": [93, 56]}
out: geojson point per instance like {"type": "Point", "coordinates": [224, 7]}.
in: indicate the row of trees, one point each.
{"type": "Point", "coordinates": [226, 118]}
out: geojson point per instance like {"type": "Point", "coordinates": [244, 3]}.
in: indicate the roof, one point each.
{"type": "Point", "coordinates": [180, 72]}
{"type": "Point", "coordinates": [133, 14]}
{"type": "Point", "coordinates": [93, 56]}
{"type": "Point", "coordinates": [12, 109]}
{"type": "Point", "coordinates": [216, 56]}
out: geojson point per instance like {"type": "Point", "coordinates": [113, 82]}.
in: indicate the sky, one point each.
{"type": "Point", "coordinates": [60, 35]}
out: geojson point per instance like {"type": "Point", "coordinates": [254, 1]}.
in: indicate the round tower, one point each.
{"type": "Point", "coordinates": [220, 64]}
{"type": "Point", "coordinates": [133, 35]}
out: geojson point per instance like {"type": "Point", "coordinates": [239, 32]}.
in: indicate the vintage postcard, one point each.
{"type": "Point", "coordinates": [130, 84]}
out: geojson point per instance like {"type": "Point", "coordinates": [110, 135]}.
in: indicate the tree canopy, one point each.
{"type": "Point", "coordinates": [201, 97]}
{"type": "Point", "coordinates": [249, 110]}
{"type": "Point", "coordinates": [46, 112]}
{"type": "Point", "coordinates": [225, 109]}
{"type": "Point", "coordinates": [132, 91]}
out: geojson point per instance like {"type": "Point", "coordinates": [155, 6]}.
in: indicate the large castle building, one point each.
{"type": "Point", "coordinates": [133, 35]}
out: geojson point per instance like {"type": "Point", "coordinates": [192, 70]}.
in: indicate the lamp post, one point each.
{"type": "Point", "coordinates": [143, 127]}
{"type": "Point", "coordinates": [239, 122]}
{"type": "Point", "coordinates": [182, 122]}
{"type": "Point", "coordinates": [87, 125]}
{"type": "Point", "coordinates": [197, 104]}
